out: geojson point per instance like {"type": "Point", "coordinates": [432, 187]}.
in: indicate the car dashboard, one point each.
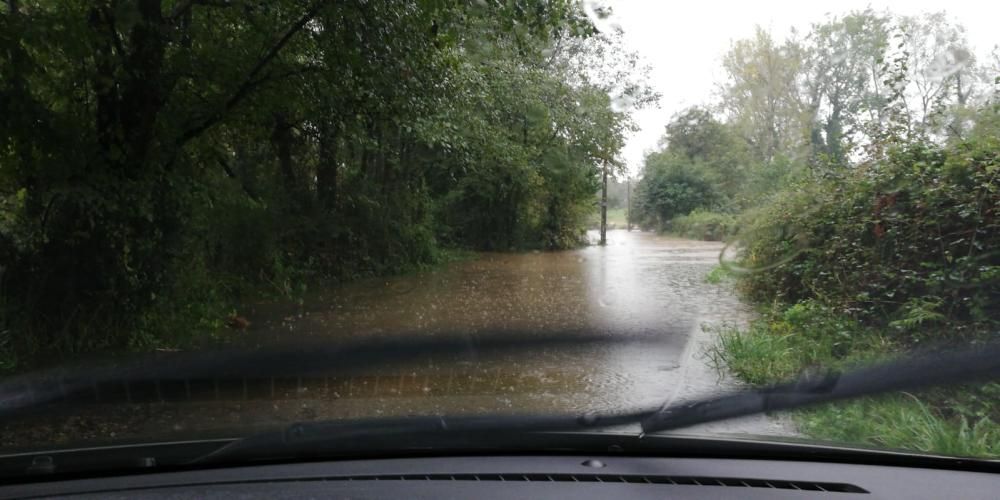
{"type": "Point", "coordinates": [552, 476]}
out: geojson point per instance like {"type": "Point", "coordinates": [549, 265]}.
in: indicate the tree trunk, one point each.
{"type": "Point", "coordinates": [281, 139]}
{"type": "Point", "coordinates": [628, 203]}
{"type": "Point", "coordinates": [604, 206]}
{"type": "Point", "coordinates": [327, 170]}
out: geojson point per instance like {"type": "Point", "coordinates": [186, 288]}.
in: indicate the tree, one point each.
{"type": "Point", "coordinates": [761, 95]}
{"type": "Point", "coordinates": [157, 147]}
{"type": "Point", "coordinates": [944, 81]}
{"type": "Point", "coordinates": [670, 187]}
{"type": "Point", "coordinates": [843, 86]}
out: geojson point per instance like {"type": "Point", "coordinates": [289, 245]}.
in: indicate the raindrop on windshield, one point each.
{"type": "Point", "coordinates": [600, 15]}
{"type": "Point", "coordinates": [622, 103]}
{"type": "Point", "coordinates": [948, 63]}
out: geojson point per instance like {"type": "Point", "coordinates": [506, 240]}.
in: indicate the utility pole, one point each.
{"type": "Point", "coordinates": [604, 206]}
{"type": "Point", "coordinates": [628, 202]}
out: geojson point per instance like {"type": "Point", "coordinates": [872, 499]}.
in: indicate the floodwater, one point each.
{"type": "Point", "coordinates": [648, 291]}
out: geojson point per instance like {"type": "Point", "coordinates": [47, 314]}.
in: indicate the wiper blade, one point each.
{"type": "Point", "coordinates": [913, 372]}
{"type": "Point", "coordinates": [300, 359]}
{"type": "Point", "coordinates": [318, 439]}
{"type": "Point", "coordinates": [321, 438]}
{"type": "Point", "coordinates": [930, 368]}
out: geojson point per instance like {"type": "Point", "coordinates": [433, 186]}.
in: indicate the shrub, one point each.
{"type": "Point", "coordinates": [908, 241]}
{"type": "Point", "coordinates": [704, 225]}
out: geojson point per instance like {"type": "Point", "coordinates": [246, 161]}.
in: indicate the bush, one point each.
{"type": "Point", "coordinates": [670, 187]}
{"type": "Point", "coordinates": [909, 241]}
{"type": "Point", "coordinates": [704, 225]}
{"type": "Point", "coordinates": [860, 263]}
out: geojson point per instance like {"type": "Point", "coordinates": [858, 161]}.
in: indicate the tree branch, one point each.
{"type": "Point", "coordinates": [116, 40]}
{"type": "Point", "coordinates": [183, 8]}
{"type": "Point", "coordinates": [278, 76]}
{"type": "Point", "coordinates": [232, 175]}
{"type": "Point", "coordinates": [251, 81]}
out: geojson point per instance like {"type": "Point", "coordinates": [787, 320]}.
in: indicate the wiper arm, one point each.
{"type": "Point", "coordinates": [928, 369]}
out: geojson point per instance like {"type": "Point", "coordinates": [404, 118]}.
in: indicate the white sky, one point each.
{"type": "Point", "coordinates": [684, 41]}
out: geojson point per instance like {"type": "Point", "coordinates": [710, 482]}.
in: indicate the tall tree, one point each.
{"type": "Point", "coordinates": [843, 86]}
{"type": "Point", "coordinates": [761, 94]}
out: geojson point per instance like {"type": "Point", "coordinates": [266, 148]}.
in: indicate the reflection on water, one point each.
{"type": "Point", "coordinates": [640, 286]}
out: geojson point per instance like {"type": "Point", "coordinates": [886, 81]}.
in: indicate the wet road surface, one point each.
{"type": "Point", "coordinates": [641, 286]}
{"type": "Point", "coordinates": [646, 289]}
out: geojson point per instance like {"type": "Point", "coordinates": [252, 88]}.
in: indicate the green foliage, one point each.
{"type": "Point", "coordinates": [903, 422]}
{"type": "Point", "coordinates": [703, 166]}
{"type": "Point", "coordinates": [705, 225]}
{"type": "Point", "coordinates": [908, 240]}
{"type": "Point", "coordinates": [807, 336]}
{"type": "Point", "coordinates": [719, 274]}
{"type": "Point", "coordinates": [863, 161]}
{"type": "Point", "coordinates": [670, 188]}
{"type": "Point", "coordinates": [896, 252]}
{"type": "Point", "coordinates": [163, 161]}
{"type": "Point", "coordinates": [782, 343]}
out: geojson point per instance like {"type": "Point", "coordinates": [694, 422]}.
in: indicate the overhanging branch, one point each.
{"type": "Point", "coordinates": [251, 81]}
{"type": "Point", "coordinates": [182, 8]}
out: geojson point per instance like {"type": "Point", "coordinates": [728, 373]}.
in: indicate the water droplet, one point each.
{"type": "Point", "coordinates": [622, 103]}
{"type": "Point", "coordinates": [601, 16]}
{"type": "Point", "coordinates": [839, 57]}
{"type": "Point", "coordinates": [948, 63]}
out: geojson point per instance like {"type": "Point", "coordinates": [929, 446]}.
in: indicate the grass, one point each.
{"type": "Point", "coordinates": [719, 274]}
{"type": "Point", "coordinates": [902, 421]}
{"type": "Point", "coordinates": [784, 342]}
{"type": "Point", "coordinates": [617, 218]}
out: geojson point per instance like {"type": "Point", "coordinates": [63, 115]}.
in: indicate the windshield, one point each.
{"type": "Point", "coordinates": [491, 208]}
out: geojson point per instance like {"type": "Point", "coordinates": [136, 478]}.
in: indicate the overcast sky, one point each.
{"type": "Point", "coordinates": [683, 42]}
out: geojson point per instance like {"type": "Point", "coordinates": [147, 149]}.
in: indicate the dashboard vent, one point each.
{"type": "Point", "coordinates": [616, 478]}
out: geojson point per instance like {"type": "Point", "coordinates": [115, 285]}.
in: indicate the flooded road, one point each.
{"type": "Point", "coordinates": [645, 289]}
{"type": "Point", "coordinates": [638, 283]}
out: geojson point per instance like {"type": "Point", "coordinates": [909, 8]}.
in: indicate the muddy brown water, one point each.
{"type": "Point", "coordinates": [640, 286]}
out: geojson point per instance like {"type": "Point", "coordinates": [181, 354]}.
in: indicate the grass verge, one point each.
{"type": "Point", "coordinates": [718, 275]}
{"type": "Point", "coordinates": [783, 342]}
